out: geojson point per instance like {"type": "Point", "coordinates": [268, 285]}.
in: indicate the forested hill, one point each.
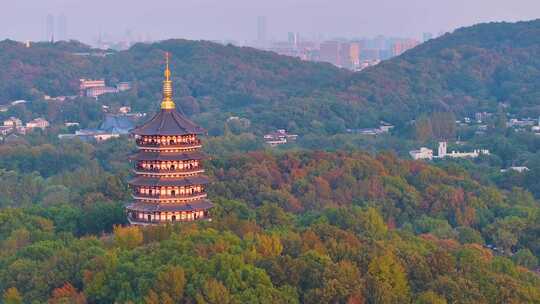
{"type": "Point", "coordinates": [471, 69]}
{"type": "Point", "coordinates": [211, 80]}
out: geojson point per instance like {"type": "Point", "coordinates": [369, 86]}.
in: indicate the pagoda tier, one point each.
{"type": "Point", "coordinates": [149, 213]}
{"type": "Point", "coordinates": [168, 183]}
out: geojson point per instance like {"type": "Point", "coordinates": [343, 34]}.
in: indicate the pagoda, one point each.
{"type": "Point", "coordinates": [169, 185]}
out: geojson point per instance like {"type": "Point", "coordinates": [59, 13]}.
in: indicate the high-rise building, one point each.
{"type": "Point", "coordinates": [290, 38]}
{"type": "Point", "coordinates": [329, 52]}
{"type": "Point", "coordinates": [344, 55]}
{"type": "Point", "coordinates": [400, 47]}
{"type": "Point", "coordinates": [169, 185]}
{"type": "Point", "coordinates": [62, 33]}
{"type": "Point", "coordinates": [49, 28]}
{"type": "Point", "coordinates": [293, 38]}
{"type": "Point", "coordinates": [261, 30]}
{"type": "Point", "coordinates": [354, 53]}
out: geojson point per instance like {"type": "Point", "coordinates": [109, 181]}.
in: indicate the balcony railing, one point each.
{"type": "Point", "coordinates": [145, 221]}
{"type": "Point", "coordinates": [192, 170]}
{"type": "Point", "coordinates": [155, 144]}
{"type": "Point", "coordinates": [155, 197]}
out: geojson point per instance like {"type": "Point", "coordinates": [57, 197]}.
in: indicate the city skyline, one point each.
{"type": "Point", "coordinates": [238, 19]}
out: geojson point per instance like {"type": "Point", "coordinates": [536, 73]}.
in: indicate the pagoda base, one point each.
{"type": "Point", "coordinates": [137, 222]}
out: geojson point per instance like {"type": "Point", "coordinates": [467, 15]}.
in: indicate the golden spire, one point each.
{"type": "Point", "coordinates": [167, 103]}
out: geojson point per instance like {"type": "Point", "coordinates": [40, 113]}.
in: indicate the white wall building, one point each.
{"type": "Point", "coordinates": [37, 123]}
{"type": "Point", "coordinates": [423, 153]}
{"type": "Point", "coordinates": [519, 169]}
{"type": "Point", "coordinates": [442, 149]}
{"type": "Point", "coordinates": [13, 122]}
{"type": "Point", "coordinates": [442, 152]}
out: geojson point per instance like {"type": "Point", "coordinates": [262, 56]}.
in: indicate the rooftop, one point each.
{"type": "Point", "coordinates": [168, 122]}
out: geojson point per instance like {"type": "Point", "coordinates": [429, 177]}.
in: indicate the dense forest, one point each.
{"type": "Point", "coordinates": [471, 69]}
{"type": "Point", "coordinates": [293, 227]}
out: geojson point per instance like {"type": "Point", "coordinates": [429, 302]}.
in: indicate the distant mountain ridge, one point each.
{"type": "Point", "coordinates": [470, 69]}
{"type": "Point", "coordinates": [474, 68]}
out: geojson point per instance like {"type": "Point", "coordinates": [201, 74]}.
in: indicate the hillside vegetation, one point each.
{"type": "Point", "coordinates": [291, 228]}
{"type": "Point", "coordinates": [472, 69]}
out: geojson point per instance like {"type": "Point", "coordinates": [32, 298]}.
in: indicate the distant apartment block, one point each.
{"type": "Point", "coordinates": [355, 54]}
{"type": "Point", "coordinates": [95, 88]}
{"type": "Point", "coordinates": [400, 47]}
{"type": "Point", "coordinates": [14, 125]}
{"type": "Point", "coordinates": [261, 30]}
{"type": "Point", "coordinates": [88, 84]}
{"type": "Point", "coordinates": [329, 52]}
{"type": "Point", "coordinates": [97, 91]}
{"type": "Point", "coordinates": [38, 123]}
{"type": "Point", "coordinates": [13, 122]}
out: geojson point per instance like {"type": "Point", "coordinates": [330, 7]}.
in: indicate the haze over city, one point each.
{"type": "Point", "coordinates": [236, 19]}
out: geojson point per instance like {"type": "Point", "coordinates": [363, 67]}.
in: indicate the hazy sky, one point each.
{"type": "Point", "coordinates": [236, 19]}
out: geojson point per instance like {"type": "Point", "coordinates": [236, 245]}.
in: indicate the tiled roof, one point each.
{"type": "Point", "coordinates": [168, 122]}
{"type": "Point", "coordinates": [192, 206]}
{"type": "Point", "coordinates": [157, 181]}
{"type": "Point", "coordinates": [143, 155]}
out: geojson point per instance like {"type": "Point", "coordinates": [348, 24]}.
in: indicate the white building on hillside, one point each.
{"type": "Point", "coordinates": [38, 123]}
{"type": "Point", "coordinates": [519, 169]}
{"type": "Point", "coordinates": [423, 153]}
{"type": "Point", "coordinates": [279, 137]}
{"type": "Point", "coordinates": [442, 152]}
{"type": "Point", "coordinates": [13, 122]}
{"type": "Point", "coordinates": [442, 149]}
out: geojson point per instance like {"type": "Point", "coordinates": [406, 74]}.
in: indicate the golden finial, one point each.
{"type": "Point", "coordinates": [167, 103]}
{"type": "Point", "coordinates": [167, 70]}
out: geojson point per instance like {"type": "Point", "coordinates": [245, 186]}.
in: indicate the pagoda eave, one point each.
{"type": "Point", "coordinates": [163, 198]}
{"type": "Point", "coordinates": [200, 205]}
{"type": "Point", "coordinates": [165, 182]}
{"type": "Point", "coordinates": [153, 156]}
{"type": "Point", "coordinates": [168, 122]}
{"type": "Point", "coordinates": [167, 173]}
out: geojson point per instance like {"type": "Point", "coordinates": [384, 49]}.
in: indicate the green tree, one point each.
{"type": "Point", "coordinates": [269, 245]}
{"type": "Point", "coordinates": [430, 297]}
{"type": "Point", "coordinates": [12, 296]}
{"type": "Point", "coordinates": [372, 224]}
{"type": "Point", "coordinates": [423, 129]}
{"type": "Point", "coordinates": [387, 280]}
{"type": "Point", "coordinates": [170, 284]}
{"type": "Point", "coordinates": [525, 258]}
{"type": "Point", "coordinates": [270, 215]}
{"type": "Point", "coordinates": [213, 292]}
{"type": "Point", "coordinates": [128, 237]}
{"type": "Point", "coordinates": [467, 235]}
